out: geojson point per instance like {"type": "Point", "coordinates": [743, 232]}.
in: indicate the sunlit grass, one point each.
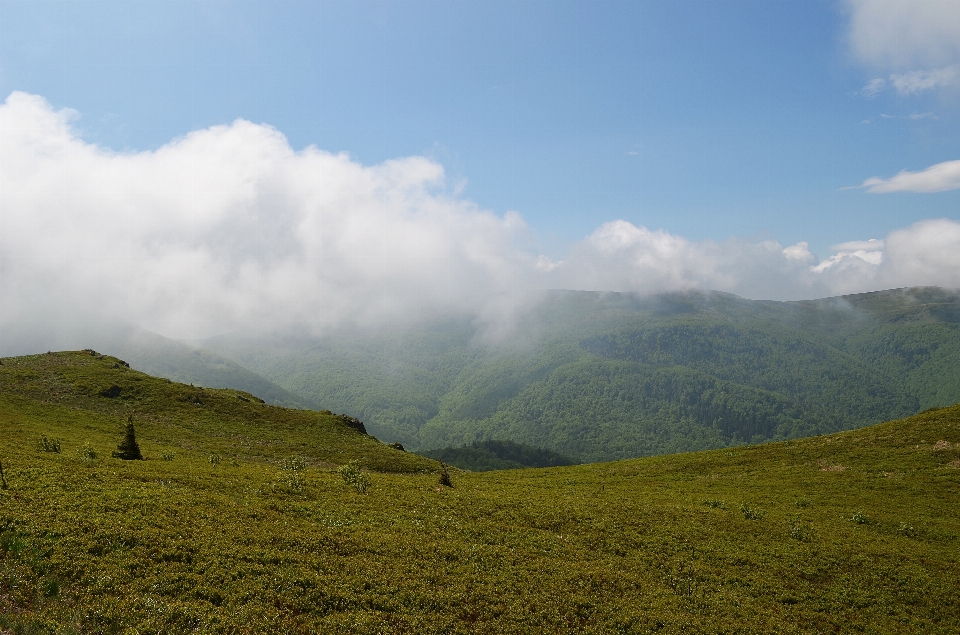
{"type": "Point", "coordinates": [272, 537]}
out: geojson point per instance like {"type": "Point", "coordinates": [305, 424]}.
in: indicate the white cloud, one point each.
{"type": "Point", "coordinates": [620, 256]}
{"type": "Point", "coordinates": [936, 178]}
{"type": "Point", "coordinates": [799, 252]}
{"type": "Point", "coordinates": [229, 227]}
{"type": "Point", "coordinates": [917, 42]}
{"type": "Point", "coordinates": [927, 253]}
{"type": "Point", "coordinates": [874, 87]}
{"type": "Point", "coordinates": [860, 245]}
{"type": "Point", "coordinates": [543, 263]}
{"type": "Point", "coordinates": [905, 35]}
{"type": "Point", "coordinates": [846, 257]}
{"type": "Point", "coordinates": [921, 80]}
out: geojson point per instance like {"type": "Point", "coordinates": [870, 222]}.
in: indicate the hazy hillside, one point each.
{"type": "Point", "coordinates": [606, 376]}
{"type": "Point", "coordinates": [150, 353]}
{"type": "Point", "coordinates": [238, 521]}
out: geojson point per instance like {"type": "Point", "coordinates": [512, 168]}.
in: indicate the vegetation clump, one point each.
{"type": "Point", "coordinates": [751, 513]}
{"type": "Point", "coordinates": [48, 445]}
{"type": "Point", "coordinates": [87, 452]}
{"type": "Point", "coordinates": [859, 518]}
{"type": "Point", "coordinates": [128, 449]}
{"type": "Point", "coordinates": [291, 473]}
{"type": "Point", "coordinates": [354, 477]}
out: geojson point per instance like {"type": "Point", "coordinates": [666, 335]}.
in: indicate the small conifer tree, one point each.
{"type": "Point", "coordinates": [445, 475]}
{"type": "Point", "coordinates": [128, 450]}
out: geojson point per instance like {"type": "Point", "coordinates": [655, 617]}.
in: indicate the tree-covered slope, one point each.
{"type": "Point", "coordinates": [847, 532]}
{"type": "Point", "coordinates": [483, 456]}
{"type": "Point", "coordinates": [607, 376]}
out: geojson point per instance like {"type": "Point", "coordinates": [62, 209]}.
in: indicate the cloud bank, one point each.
{"type": "Point", "coordinates": [230, 228]}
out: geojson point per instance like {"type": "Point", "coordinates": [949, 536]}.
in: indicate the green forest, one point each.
{"type": "Point", "coordinates": [600, 377]}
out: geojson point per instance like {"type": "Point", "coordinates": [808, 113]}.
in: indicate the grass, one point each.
{"type": "Point", "coordinates": [273, 537]}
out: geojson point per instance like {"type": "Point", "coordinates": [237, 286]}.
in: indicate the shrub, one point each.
{"type": "Point", "coordinates": [128, 450]}
{"type": "Point", "coordinates": [87, 452]}
{"type": "Point", "coordinates": [798, 532]}
{"type": "Point", "coordinates": [352, 475]}
{"type": "Point", "coordinates": [48, 445]}
{"type": "Point", "coordinates": [293, 464]}
{"type": "Point", "coordinates": [859, 518]}
{"type": "Point", "coordinates": [291, 473]}
{"type": "Point", "coordinates": [714, 503]}
{"type": "Point", "coordinates": [166, 456]}
{"type": "Point", "coordinates": [749, 513]}
{"type": "Point", "coordinates": [215, 459]}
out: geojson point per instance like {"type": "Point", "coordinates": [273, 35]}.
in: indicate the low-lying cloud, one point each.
{"type": "Point", "coordinates": [230, 228]}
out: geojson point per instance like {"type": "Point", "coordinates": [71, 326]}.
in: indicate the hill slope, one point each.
{"type": "Point", "coordinates": [608, 376]}
{"type": "Point", "coordinates": [148, 352]}
{"type": "Point", "coordinates": [86, 397]}
{"type": "Point", "coordinates": [855, 531]}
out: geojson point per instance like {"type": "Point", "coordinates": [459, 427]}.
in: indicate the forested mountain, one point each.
{"type": "Point", "coordinates": [605, 376]}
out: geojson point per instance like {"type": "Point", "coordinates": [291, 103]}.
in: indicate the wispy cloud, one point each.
{"type": "Point", "coordinates": [936, 178]}
{"type": "Point", "coordinates": [922, 80]}
{"type": "Point", "coordinates": [874, 87]}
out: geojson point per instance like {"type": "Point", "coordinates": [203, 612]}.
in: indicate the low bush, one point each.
{"type": "Point", "coordinates": [48, 445]}
{"type": "Point", "coordinates": [355, 478]}
{"type": "Point", "coordinates": [87, 452]}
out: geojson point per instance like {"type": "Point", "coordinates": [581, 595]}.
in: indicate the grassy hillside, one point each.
{"type": "Point", "coordinates": [87, 397]}
{"type": "Point", "coordinates": [147, 352]}
{"type": "Point", "coordinates": [608, 376]}
{"type": "Point", "coordinates": [851, 532]}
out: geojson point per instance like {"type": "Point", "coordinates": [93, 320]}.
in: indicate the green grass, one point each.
{"type": "Point", "coordinates": [852, 532]}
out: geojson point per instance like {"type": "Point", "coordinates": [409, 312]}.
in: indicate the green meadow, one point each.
{"type": "Point", "coordinates": [243, 519]}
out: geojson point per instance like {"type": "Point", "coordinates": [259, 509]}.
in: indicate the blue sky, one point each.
{"type": "Point", "coordinates": [714, 121]}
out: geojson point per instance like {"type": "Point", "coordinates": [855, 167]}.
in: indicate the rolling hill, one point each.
{"type": "Point", "coordinates": [239, 520]}
{"type": "Point", "coordinates": [148, 352]}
